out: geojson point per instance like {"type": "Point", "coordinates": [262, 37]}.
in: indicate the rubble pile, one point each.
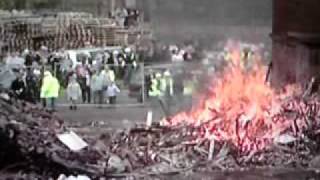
{"type": "Point", "coordinates": [31, 148]}
{"type": "Point", "coordinates": [29, 135]}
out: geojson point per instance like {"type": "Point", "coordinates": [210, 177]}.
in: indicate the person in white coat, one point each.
{"type": "Point", "coordinates": [73, 93]}
{"type": "Point", "coordinates": [112, 92]}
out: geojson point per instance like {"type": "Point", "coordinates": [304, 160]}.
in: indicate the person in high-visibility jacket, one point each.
{"type": "Point", "coordinates": [49, 90]}
{"type": "Point", "coordinates": [246, 58]}
{"type": "Point", "coordinates": [167, 84]}
{"type": "Point", "coordinates": [188, 88]}
{"type": "Point", "coordinates": [227, 56]}
{"type": "Point", "coordinates": [155, 90]}
{"type": "Point", "coordinates": [166, 87]}
{"type": "Point", "coordinates": [156, 95]}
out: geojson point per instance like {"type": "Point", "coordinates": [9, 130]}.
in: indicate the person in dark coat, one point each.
{"type": "Point", "coordinates": [28, 60]}
{"type": "Point", "coordinates": [18, 87]}
{"type": "Point", "coordinates": [31, 87]}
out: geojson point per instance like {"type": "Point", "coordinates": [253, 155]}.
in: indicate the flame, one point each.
{"type": "Point", "coordinates": [239, 108]}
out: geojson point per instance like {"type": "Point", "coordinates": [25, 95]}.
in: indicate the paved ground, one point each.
{"type": "Point", "coordinates": [112, 117]}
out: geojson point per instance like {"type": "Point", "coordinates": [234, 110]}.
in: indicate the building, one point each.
{"type": "Point", "coordinates": [296, 42]}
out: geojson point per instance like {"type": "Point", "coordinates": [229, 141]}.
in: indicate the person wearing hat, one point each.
{"type": "Point", "coordinates": [49, 90]}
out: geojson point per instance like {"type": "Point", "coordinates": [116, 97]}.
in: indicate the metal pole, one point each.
{"type": "Point", "coordinates": [143, 84]}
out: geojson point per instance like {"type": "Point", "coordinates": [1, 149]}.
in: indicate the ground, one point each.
{"type": "Point", "coordinates": [126, 116]}
{"type": "Point", "coordinates": [116, 117]}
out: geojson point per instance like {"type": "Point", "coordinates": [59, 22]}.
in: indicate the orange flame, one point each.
{"type": "Point", "coordinates": [239, 109]}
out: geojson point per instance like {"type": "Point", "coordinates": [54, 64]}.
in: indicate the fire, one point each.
{"type": "Point", "coordinates": [239, 108]}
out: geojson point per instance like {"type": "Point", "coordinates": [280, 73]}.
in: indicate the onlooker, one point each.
{"type": "Point", "coordinates": [74, 93]}
{"type": "Point", "coordinates": [49, 90]}
{"type": "Point", "coordinates": [28, 58]}
{"type": "Point", "coordinates": [83, 75]}
{"type": "Point", "coordinates": [101, 85]}
{"type": "Point", "coordinates": [31, 86]}
{"type": "Point", "coordinates": [105, 81]}
{"type": "Point", "coordinates": [18, 87]}
{"type": "Point", "coordinates": [96, 87]}
{"type": "Point", "coordinates": [112, 92]}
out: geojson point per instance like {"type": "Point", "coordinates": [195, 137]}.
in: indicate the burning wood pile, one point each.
{"type": "Point", "coordinates": [242, 124]}
{"type": "Point", "coordinates": [30, 145]}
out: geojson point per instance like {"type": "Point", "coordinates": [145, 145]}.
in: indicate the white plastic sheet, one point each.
{"type": "Point", "coordinates": [72, 141]}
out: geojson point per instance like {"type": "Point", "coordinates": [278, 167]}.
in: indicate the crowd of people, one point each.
{"type": "Point", "coordinates": [43, 75]}
{"type": "Point", "coordinates": [125, 17]}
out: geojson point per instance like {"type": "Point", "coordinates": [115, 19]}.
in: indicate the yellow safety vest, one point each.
{"type": "Point", "coordinates": [188, 88]}
{"type": "Point", "coordinates": [154, 91]}
{"type": "Point", "coordinates": [50, 87]}
{"type": "Point", "coordinates": [165, 84]}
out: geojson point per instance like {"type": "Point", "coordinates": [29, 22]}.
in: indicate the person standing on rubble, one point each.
{"type": "Point", "coordinates": [49, 90]}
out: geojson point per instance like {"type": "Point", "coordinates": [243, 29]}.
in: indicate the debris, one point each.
{"type": "Point", "coordinates": [62, 177]}
{"type": "Point", "coordinates": [284, 139]}
{"type": "Point", "coordinates": [149, 119]}
{"type": "Point", "coordinates": [31, 133]}
{"type": "Point", "coordinates": [315, 163]}
{"type": "Point", "coordinates": [211, 149]}
{"type": "Point", "coordinates": [115, 163]}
